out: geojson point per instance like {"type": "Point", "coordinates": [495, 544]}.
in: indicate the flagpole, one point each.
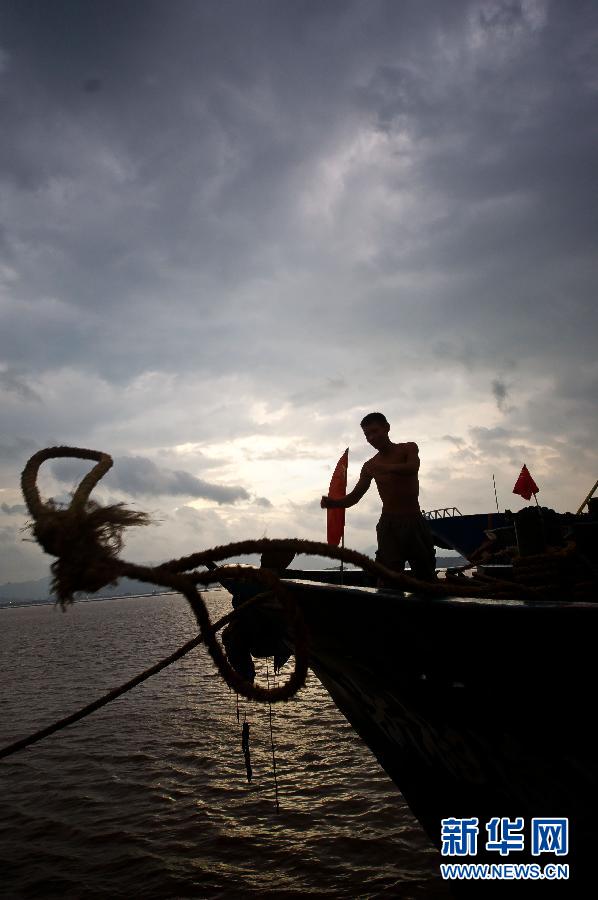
{"type": "Point", "coordinates": [345, 519]}
{"type": "Point", "coordinates": [587, 500]}
{"type": "Point", "coordinates": [495, 497]}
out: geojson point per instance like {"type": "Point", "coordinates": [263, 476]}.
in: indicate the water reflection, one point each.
{"type": "Point", "coordinates": [149, 795]}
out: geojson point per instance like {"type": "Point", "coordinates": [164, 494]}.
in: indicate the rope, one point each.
{"type": "Point", "coordinates": [123, 688]}
{"type": "Point", "coordinates": [86, 539]}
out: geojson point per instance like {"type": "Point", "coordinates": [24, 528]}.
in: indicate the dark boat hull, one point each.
{"type": "Point", "coordinates": [465, 534]}
{"type": "Point", "coordinates": [473, 707]}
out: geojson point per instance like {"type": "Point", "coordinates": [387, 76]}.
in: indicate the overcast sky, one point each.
{"type": "Point", "coordinates": [228, 230]}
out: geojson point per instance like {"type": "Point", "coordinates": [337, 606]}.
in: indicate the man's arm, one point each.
{"type": "Point", "coordinates": [409, 467]}
{"type": "Point", "coordinates": [365, 479]}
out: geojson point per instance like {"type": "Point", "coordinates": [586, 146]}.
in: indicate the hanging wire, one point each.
{"type": "Point", "coordinates": [272, 743]}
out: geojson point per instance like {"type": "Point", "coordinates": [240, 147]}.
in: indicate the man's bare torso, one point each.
{"type": "Point", "coordinates": [399, 492]}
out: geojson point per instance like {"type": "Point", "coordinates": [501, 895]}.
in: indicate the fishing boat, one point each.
{"type": "Point", "coordinates": [464, 533]}
{"type": "Point", "coordinates": [473, 535]}
{"type": "Point", "coordinates": [474, 707]}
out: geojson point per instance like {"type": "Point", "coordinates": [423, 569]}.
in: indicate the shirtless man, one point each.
{"type": "Point", "coordinates": [403, 534]}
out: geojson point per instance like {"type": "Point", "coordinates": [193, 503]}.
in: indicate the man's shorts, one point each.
{"type": "Point", "coordinates": [404, 539]}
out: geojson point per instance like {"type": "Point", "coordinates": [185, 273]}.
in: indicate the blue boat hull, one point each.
{"type": "Point", "coordinates": [465, 534]}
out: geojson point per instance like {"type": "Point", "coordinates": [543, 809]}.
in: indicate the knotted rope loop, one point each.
{"type": "Point", "coordinates": [84, 536]}
{"type": "Point", "coordinates": [87, 538]}
{"type": "Point", "coordinates": [81, 495]}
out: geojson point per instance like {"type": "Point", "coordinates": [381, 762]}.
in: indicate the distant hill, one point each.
{"type": "Point", "coordinates": [39, 591]}
{"type": "Point", "coordinates": [25, 590]}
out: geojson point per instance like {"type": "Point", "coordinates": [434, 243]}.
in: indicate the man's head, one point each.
{"type": "Point", "coordinates": [376, 428]}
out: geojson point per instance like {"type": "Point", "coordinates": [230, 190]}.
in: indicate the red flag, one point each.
{"type": "Point", "coordinates": [338, 488]}
{"type": "Point", "coordinates": [525, 485]}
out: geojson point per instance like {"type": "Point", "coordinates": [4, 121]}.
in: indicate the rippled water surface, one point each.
{"type": "Point", "coordinates": [148, 797]}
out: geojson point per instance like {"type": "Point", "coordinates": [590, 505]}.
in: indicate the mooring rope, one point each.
{"type": "Point", "coordinates": [86, 538]}
{"type": "Point", "coordinates": [123, 688]}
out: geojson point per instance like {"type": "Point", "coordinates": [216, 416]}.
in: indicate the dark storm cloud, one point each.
{"type": "Point", "coordinates": [191, 136]}
{"type": "Point", "coordinates": [499, 143]}
{"type": "Point", "coordinates": [263, 501]}
{"type": "Point", "coordinates": [138, 476]}
{"type": "Point", "coordinates": [247, 98]}
{"type": "Point", "coordinates": [142, 217]}
{"type": "Point", "coordinates": [230, 219]}
{"type": "Point", "coordinates": [500, 392]}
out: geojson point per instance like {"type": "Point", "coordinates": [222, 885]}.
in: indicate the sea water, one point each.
{"type": "Point", "coordinates": [148, 797]}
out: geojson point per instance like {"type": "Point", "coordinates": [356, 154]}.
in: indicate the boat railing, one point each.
{"type": "Point", "coordinates": [443, 513]}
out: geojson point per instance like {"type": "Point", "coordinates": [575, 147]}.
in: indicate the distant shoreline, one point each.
{"type": "Point", "coordinates": [18, 603]}
{"type": "Point", "coordinates": [52, 601]}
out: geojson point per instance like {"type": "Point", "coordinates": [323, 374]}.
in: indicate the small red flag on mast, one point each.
{"type": "Point", "coordinates": [525, 485]}
{"type": "Point", "coordinates": [335, 520]}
